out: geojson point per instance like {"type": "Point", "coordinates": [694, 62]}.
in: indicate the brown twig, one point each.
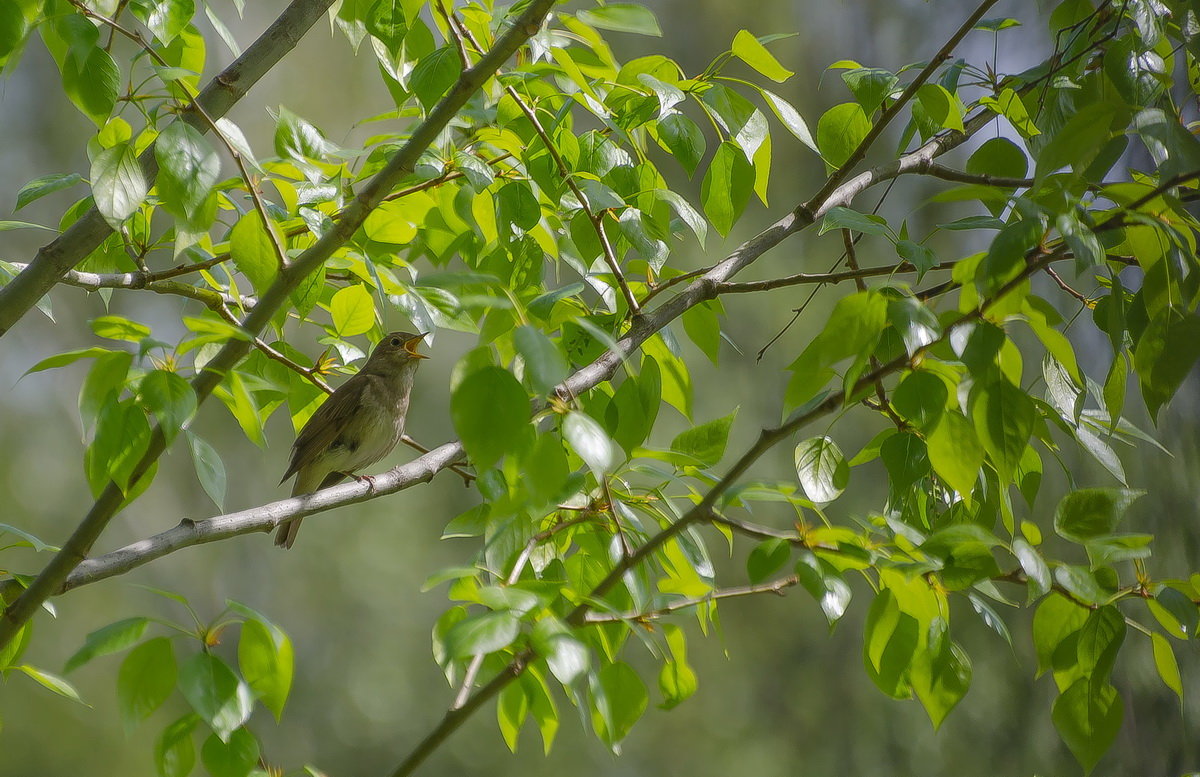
{"type": "Point", "coordinates": [774, 587]}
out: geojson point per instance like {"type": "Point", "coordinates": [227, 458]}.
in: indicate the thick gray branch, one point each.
{"type": "Point", "coordinates": [422, 469]}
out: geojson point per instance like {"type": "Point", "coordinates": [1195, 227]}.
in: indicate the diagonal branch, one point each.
{"type": "Point", "coordinates": [263, 518]}
{"type": "Point", "coordinates": [76, 548]}
{"type": "Point", "coordinates": [230, 85]}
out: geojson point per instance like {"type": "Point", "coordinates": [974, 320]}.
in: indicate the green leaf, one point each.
{"type": "Point", "coordinates": [707, 441]}
{"type": "Point", "coordinates": [840, 131]}
{"type": "Point", "coordinates": [92, 81]}
{"type": "Point", "coordinates": [939, 107]}
{"type": "Point", "coordinates": [118, 184]}
{"type": "Point", "coordinates": [113, 638]}
{"type": "Point", "coordinates": [482, 634]}
{"type": "Point", "coordinates": [215, 693]}
{"type": "Point", "coordinates": [622, 17]}
{"type": "Point", "coordinates": [188, 168]}
{"type": "Point", "coordinates": [821, 580]}
{"type": "Point", "coordinates": [120, 328]}
{"type": "Point", "coordinates": [252, 251]}
{"type": "Point", "coordinates": [1036, 570]}
{"type": "Point", "coordinates": [941, 680]}
{"type": "Point", "coordinates": [676, 679]}
{"type": "Point", "coordinates": [767, 558]}
{"type": "Point", "coordinates": [853, 329]}
{"type": "Point", "coordinates": [748, 49]}
{"type": "Point", "coordinates": [590, 441]}
{"type": "Point", "coordinates": [906, 457]}
{"type": "Point", "coordinates": [966, 554]}
{"type": "Point", "coordinates": [622, 700]}
{"type": "Point", "coordinates": [567, 657]}
{"type": "Point", "coordinates": [916, 324]}
{"type": "Point", "coordinates": [174, 753]}
{"type": "Point", "coordinates": [210, 470]}
{"type": "Point", "coordinates": [489, 410]}
{"type": "Point", "coordinates": [511, 711]}
{"type": "Point", "coordinates": [235, 758]}
{"type": "Point", "coordinates": [683, 139]}
{"type": "Point", "coordinates": [63, 359]}
{"type": "Point", "coordinates": [6, 226]}
{"type": "Point", "coordinates": [352, 310]}
{"type": "Point", "coordinates": [434, 74]}
{"type": "Point", "coordinates": [1008, 104]}
{"type": "Point", "coordinates": [1164, 356]}
{"type": "Point", "coordinates": [545, 366]}
{"type": "Point", "coordinates": [103, 382]}
{"type": "Point", "coordinates": [165, 18]}
{"type": "Point", "coordinates": [1090, 513]}
{"type": "Point", "coordinates": [839, 217]}
{"type": "Point", "coordinates": [391, 222]}
{"type": "Point", "coordinates": [870, 86]}
{"type": "Point", "coordinates": [920, 398]}
{"type": "Point", "coordinates": [1175, 611]}
{"type": "Point", "coordinates": [955, 453]}
{"type": "Point", "coordinates": [47, 184]}
{"type": "Point", "coordinates": [890, 641]}
{"type": "Point", "coordinates": [822, 469]}
{"type": "Point", "coordinates": [1167, 666]}
{"type": "Point", "coordinates": [1077, 144]}
{"type": "Point", "coordinates": [998, 157]}
{"type": "Point", "coordinates": [703, 328]}
{"type": "Point", "coordinates": [266, 661]}
{"type": "Point", "coordinates": [145, 680]}
{"type": "Point", "coordinates": [1004, 416]}
{"type": "Point", "coordinates": [34, 542]}
{"type": "Point", "coordinates": [727, 186]}
{"type": "Point", "coordinates": [170, 398]}
{"type": "Point", "coordinates": [790, 117]}
{"type": "Point", "coordinates": [51, 681]}
{"type": "Point", "coordinates": [516, 204]}
{"type": "Point", "coordinates": [300, 140]}
{"type": "Point", "coordinates": [1088, 716]}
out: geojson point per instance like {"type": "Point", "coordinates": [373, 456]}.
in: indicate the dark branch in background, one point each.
{"type": "Point", "coordinates": [84, 236]}
{"type": "Point", "coordinates": [76, 548]}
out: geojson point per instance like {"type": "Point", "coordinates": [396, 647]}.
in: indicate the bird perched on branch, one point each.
{"type": "Point", "coordinates": [358, 425]}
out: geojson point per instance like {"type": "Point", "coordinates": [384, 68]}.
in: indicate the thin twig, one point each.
{"type": "Point", "coordinates": [1063, 285]}
{"type": "Point", "coordinates": [774, 587]}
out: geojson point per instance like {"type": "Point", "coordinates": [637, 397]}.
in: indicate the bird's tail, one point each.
{"type": "Point", "coordinates": [285, 535]}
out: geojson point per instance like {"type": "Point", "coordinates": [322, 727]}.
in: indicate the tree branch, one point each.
{"type": "Point", "coordinates": [265, 517]}
{"type": "Point", "coordinates": [230, 85]}
{"type": "Point", "coordinates": [76, 548]}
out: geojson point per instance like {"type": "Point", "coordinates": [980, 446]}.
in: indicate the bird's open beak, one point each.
{"type": "Point", "coordinates": [410, 346]}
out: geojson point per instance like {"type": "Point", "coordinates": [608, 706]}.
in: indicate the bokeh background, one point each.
{"type": "Point", "coordinates": [779, 694]}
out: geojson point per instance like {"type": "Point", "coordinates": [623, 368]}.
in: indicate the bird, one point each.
{"type": "Point", "coordinates": [358, 424]}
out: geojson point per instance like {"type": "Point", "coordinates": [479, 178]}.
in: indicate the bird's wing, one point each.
{"type": "Point", "coordinates": [323, 427]}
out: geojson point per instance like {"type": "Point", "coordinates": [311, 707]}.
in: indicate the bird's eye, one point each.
{"type": "Point", "coordinates": [395, 342]}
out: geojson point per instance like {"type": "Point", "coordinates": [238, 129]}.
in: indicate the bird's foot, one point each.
{"type": "Point", "coordinates": [368, 479]}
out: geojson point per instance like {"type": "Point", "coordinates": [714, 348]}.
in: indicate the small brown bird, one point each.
{"type": "Point", "coordinates": [358, 425]}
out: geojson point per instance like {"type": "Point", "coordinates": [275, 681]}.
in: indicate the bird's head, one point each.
{"type": "Point", "coordinates": [398, 347]}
